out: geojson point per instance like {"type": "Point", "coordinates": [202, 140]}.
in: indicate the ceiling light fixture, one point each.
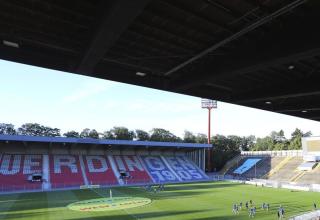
{"type": "Point", "coordinates": [304, 111]}
{"type": "Point", "coordinates": [268, 102]}
{"type": "Point", "coordinates": [291, 67]}
{"type": "Point", "coordinates": [140, 74]}
{"type": "Point", "coordinates": [10, 44]}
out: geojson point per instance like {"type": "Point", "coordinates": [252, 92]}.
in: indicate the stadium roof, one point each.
{"type": "Point", "coordinates": [258, 53]}
{"type": "Point", "coordinates": [91, 141]}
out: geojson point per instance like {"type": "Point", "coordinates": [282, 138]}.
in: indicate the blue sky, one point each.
{"type": "Point", "coordinates": [73, 102]}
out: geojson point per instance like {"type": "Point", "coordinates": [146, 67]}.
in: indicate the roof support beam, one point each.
{"type": "Point", "coordinates": [118, 15]}
{"type": "Point", "coordinates": [222, 87]}
{"type": "Point", "coordinates": [238, 34]}
{"type": "Point", "coordinates": [246, 65]}
{"type": "Point", "coordinates": [294, 107]}
{"type": "Point", "coordinates": [300, 109]}
{"type": "Point", "coordinates": [294, 90]}
{"type": "Point", "coordinates": [271, 97]}
{"type": "Point", "coordinates": [313, 115]}
{"type": "Point", "coordinates": [317, 118]}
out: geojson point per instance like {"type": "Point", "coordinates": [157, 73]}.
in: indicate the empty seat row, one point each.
{"type": "Point", "coordinates": [64, 171]}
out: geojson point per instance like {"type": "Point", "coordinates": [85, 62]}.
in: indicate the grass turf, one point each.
{"type": "Point", "coordinates": [200, 201]}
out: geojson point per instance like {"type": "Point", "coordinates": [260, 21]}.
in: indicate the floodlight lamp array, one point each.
{"type": "Point", "coordinates": [208, 103]}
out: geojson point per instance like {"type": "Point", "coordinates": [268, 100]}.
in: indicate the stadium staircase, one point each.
{"type": "Point", "coordinates": [310, 177]}
{"type": "Point", "coordinates": [74, 171]}
{"type": "Point", "coordinates": [286, 172]}
{"type": "Point", "coordinates": [277, 164]}
{"type": "Point", "coordinates": [298, 175]}
{"type": "Point", "coordinates": [45, 175]}
{"type": "Point", "coordinates": [115, 170]}
{"type": "Point", "coordinates": [231, 163]}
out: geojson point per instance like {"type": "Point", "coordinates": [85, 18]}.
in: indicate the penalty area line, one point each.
{"type": "Point", "coordinates": [125, 210]}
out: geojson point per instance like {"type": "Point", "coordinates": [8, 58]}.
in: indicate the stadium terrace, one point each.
{"type": "Point", "coordinates": [45, 163]}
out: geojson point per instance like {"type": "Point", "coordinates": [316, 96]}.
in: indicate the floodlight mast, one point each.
{"type": "Point", "coordinates": [209, 104]}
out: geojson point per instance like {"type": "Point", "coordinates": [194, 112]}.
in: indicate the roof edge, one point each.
{"type": "Point", "coordinates": [23, 138]}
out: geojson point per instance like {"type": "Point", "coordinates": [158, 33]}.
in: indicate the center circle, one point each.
{"type": "Point", "coordinates": [108, 204]}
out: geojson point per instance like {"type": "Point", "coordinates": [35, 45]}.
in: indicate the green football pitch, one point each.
{"type": "Point", "coordinates": [201, 201]}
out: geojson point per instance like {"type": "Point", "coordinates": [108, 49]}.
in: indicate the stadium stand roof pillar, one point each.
{"type": "Point", "coordinates": [238, 34]}
{"type": "Point", "coordinates": [117, 15]}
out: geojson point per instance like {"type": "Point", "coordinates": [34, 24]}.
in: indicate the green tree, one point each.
{"type": "Point", "coordinates": [35, 129]}
{"type": "Point", "coordinates": [108, 135]}
{"type": "Point", "coordinates": [72, 134]}
{"type": "Point", "coordinates": [7, 129]}
{"type": "Point", "coordinates": [295, 141]}
{"type": "Point", "coordinates": [201, 138]}
{"type": "Point", "coordinates": [248, 143]}
{"type": "Point", "coordinates": [122, 133]}
{"type": "Point", "coordinates": [189, 137]}
{"type": "Point", "coordinates": [295, 144]}
{"type": "Point", "coordinates": [142, 135]}
{"type": "Point", "coordinates": [224, 149]}
{"type": "Point", "coordinates": [296, 133]}
{"type": "Point", "coordinates": [281, 146]}
{"type": "Point", "coordinates": [85, 133]}
{"type": "Point", "coordinates": [30, 129]}
{"type": "Point", "coordinates": [88, 133]}
{"type": "Point", "coordinates": [244, 143]}
{"type": "Point", "coordinates": [262, 144]}
{"type": "Point", "coordinates": [94, 134]}
{"type": "Point", "coordinates": [51, 132]}
{"type": "Point", "coordinates": [119, 133]}
{"type": "Point", "coordinates": [278, 136]}
{"type": "Point", "coordinates": [160, 134]}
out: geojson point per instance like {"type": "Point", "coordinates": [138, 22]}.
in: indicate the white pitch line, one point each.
{"type": "Point", "coordinates": [128, 213]}
{"type": "Point", "coordinates": [6, 207]}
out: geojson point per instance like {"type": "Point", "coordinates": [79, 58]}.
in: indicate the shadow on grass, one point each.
{"type": "Point", "coordinates": [107, 216]}
{"type": "Point", "coordinates": [177, 190]}
{"type": "Point", "coordinates": [200, 186]}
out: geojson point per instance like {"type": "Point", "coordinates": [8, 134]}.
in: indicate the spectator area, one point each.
{"type": "Point", "coordinates": [246, 165]}
{"type": "Point", "coordinates": [278, 168]}
{"type": "Point", "coordinates": [15, 169]}
{"type": "Point", "coordinates": [74, 171]}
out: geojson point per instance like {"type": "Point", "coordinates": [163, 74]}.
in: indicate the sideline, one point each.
{"type": "Point", "coordinates": [307, 216]}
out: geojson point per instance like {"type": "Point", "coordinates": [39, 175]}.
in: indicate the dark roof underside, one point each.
{"type": "Point", "coordinates": [248, 52]}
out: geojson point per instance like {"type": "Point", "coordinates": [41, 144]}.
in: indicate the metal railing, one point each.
{"type": "Point", "coordinates": [279, 153]}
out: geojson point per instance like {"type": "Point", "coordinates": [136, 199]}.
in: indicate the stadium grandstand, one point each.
{"type": "Point", "coordinates": [45, 163]}
{"type": "Point", "coordinates": [263, 54]}
{"type": "Point", "coordinates": [298, 166]}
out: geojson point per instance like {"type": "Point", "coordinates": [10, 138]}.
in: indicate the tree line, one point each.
{"type": "Point", "coordinates": [225, 147]}
{"type": "Point", "coordinates": [115, 133]}
{"type": "Point", "coordinates": [275, 141]}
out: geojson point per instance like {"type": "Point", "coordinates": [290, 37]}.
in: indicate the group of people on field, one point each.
{"type": "Point", "coordinates": [250, 206]}
{"type": "Point", "coordinates": [155, 188]}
